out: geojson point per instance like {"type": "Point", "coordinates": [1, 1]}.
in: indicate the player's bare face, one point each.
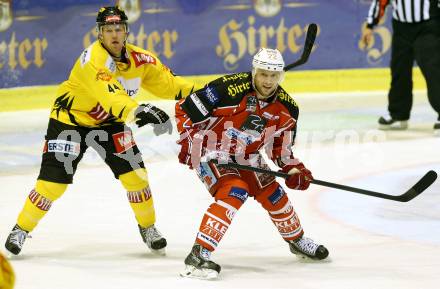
{"type": "Point", "coordinates": [113, 37]}
{"type": "Point", "coordinates": [266, 82]}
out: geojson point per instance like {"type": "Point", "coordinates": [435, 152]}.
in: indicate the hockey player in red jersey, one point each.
{"type": "Point", "coordinates": [91, 109]}
{"type": "Point", "coordinates": [230, 120]}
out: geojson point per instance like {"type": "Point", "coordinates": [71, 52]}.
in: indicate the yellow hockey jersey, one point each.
{"type": "Point", "coordinates": [99, 90]}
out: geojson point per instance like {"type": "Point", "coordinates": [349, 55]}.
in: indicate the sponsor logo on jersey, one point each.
{"type": "Point", "coordinates": [131, 86]}
{"type": "Point", "coordinates": [234, 77]}
{"type": "Point", "coordinates": [225, 171]}
{"type": "Point", "coordinates": [254, 125]}
{"type": "Point", "coordinates": [206, 175]}
{"type": "Point", "coordinates": [216, 225]}
{"type": "Point", "coordinates": [236, 88]}
{"type": "Point", "coordinates": [62, 146]}
{"type": "Point", "coordinates": [98, 113]}
{"type": "Point", "coordinates": [230, 214]}
{"type": "Point", "coordinates": [283, 96]}
{"type": "Point", "coordinates": [85, 57]}
{"type": "Point", "coordinates": [211, 95]}
{"type": "Point", "coordinates": [288, 209]}
{"type": "Point", "coordinates": [198, 103]}
{"type": "Point", "coordinates": [288, 227]}
{"type": "Point", "coordinates": [270, 116]}
{"type": "Point", "coordinates": [142, 58]}
{"type": "Point", "coordinates": [123, 141]}
{"type": "Point", "coordinates": [234, 133]}
{"type": "Point", "coordinates": [239, 193]}
{"type": "Point", "coordinates": [207, 239]}
{"type": "Point", "coordinates": [103, 75]}
{"type": "Point", "coordinates": [39, 201]}
{"type": "Point", "coordinates": [110, 64]}
{"type": "Point", "coordinates": [251, 103]}
{"type": "Point", "coordinates": [139, 196]}
{"type": "Point", "coordinates": [277, 195]}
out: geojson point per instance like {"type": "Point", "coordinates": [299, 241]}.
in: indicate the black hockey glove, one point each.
{"type": "Point", "coordinates": [149, 114]}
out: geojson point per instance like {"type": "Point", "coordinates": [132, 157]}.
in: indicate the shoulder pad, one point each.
{"type": "Point", "coordinates": [85, 56]}
{"type": "Point", "coordinates": [284, 98]}
{"type": "Point", "coordinates": [233, 86]}
{"type": "Point", "coordinates": [98, 57]}
{"type": "Point", "coordinates": [140, 56]}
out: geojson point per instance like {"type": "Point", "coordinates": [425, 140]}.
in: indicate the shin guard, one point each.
{"type": "Point", "coordinates": [219, 215]}
{"type": "Point", "coordinates": [287, 222]}
{"type": "Point", "coordinates": [141, 203]}
{"type": "Point", "coordinates": [139, 196]}
{"type": "Point", "coordinates": [275, 201]}
{"type": "Point", "coordinates": [38, 203]}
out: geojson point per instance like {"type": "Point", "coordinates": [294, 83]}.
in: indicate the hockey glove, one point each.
{"type": "Point", "coordinates": [149, 114]}
{"type": "Point", "coordinates": [190, 148]}
{"type": "Point", "coordinates": [299, 178]}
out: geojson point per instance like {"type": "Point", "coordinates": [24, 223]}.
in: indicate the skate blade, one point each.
{"type": "Point", "coordinates": [396, 126]}
{"type": "Point", "coordinates": [304, 257]}
{"type": "Point", "coordinates": [159, 252]}
{"type": "Point", "coordinates": [203, 274]}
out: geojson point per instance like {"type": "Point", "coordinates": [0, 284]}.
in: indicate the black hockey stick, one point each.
{"type": "Point", "coordinates": [413, 192]}
{"type": "Point", "coordinates": [308, 45]}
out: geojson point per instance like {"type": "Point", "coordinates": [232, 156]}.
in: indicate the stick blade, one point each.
{"type": "Point", "coordinates": [419, 187]}
{"type": "Point", "coordinates": [312, 30]}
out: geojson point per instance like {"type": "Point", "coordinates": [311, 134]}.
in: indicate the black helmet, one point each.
{"type": "Point", "coordinates": [111, 15]}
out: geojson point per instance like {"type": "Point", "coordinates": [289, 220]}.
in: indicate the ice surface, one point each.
{"type": "Point", "coordinates": [89, 239]}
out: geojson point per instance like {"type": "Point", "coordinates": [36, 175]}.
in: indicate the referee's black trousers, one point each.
{"type": "Point", "coordinates": [419, 42]}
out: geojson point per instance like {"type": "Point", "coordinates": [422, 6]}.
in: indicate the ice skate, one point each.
{"type": "Point", "coordinates": [15, 240]}
{"type": "Point", "coordinates": [388, 123]}
{"type": "Point", "coordinates": [154, 239]}
{"type": "Point", "coordinates": [198, 264]}
{"type": "Point", "coordinates": [306, 248]}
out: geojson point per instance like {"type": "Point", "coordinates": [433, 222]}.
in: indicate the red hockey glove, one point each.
{"type": "Point", "coordinates": [299, 178]}
{"type": "Point", "coordinates": [190, 148]}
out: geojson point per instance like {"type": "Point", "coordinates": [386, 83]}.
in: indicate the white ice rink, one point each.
{"type": "Point", "coordinates": [89, 238]}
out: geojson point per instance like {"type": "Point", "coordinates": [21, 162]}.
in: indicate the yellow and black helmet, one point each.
{"type": "Point", "coordinates": [111, 15]}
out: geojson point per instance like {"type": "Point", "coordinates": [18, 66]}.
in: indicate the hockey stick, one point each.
{"type": "Point", "coordinates": [308, 45]}
{"type": "Point", "coordinates": [413, 192]}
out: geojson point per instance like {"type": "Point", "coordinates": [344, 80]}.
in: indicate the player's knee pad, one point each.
{"type": "Point", "coordinates": [229, 198]}
{"type": "Point", "coordinates": [233, 191]}
{"type": "Point", "coordinates": [50, 190]}
{"type": "Point", "coordinates": [273, 197]}
{"type": "Point", "coordinates": [135, 180]}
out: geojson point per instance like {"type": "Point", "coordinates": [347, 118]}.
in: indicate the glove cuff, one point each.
{"type": "Point", "coordinates": [288, 168]}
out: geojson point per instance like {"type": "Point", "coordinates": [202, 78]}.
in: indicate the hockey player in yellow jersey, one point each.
{"type": "Point", "coordinates": [91, 110]}
{"type": "Point", "coordinates": [7, 275]}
